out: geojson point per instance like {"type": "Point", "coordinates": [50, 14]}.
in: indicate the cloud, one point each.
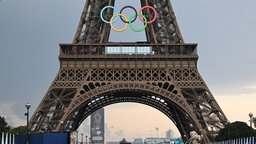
{"type": "Point", "coordinates": [120, 133]}
{"type": "Point", "coordinates": [6, 110]}
{"type": "Point", "coordinates": [234, 89]}
{"type": "Point", "coordinates": [237, 107]}
{"type": "Point", "coordinates": [253, 87]}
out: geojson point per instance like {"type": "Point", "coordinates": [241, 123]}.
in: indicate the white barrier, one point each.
{"type": "Point", "coordinates": [8, 138]}
{"type": "Point", "coordinates": [247, 140]}
{"type": "Point", "coordinates": [2, 138]}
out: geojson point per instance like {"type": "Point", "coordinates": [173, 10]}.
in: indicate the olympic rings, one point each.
{"type": "Point", "coordinates": [101, 13]}
{"type": "Point", "coordinates": [140, 11]}
{"type": "Point", "coordinates": [125, 20]}
{"type": "Point", "coordinates": [138, 30]}
{"type": "Point", "coordinates": [131, 8]}
{"type": "Point", "coordinates": [111, 23]}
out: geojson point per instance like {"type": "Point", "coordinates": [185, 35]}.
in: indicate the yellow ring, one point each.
{"type": "Point", "coordinates": [122, 29]}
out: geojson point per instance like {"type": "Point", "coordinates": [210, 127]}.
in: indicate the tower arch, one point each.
{"type": "Point", "coordinates": [170, 103]}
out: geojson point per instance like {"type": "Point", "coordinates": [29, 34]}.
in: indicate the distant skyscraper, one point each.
{"type": "Point", "coordinates": [138, 141]}
{"type": "Point", "coordinates": [170, 134]}
{"type": "Point", "coordinates": [97, 126]}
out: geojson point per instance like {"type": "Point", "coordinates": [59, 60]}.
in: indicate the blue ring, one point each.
{"type": "Point", "coordinates": [101, 13]}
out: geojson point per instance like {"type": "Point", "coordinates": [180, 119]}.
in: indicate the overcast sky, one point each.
{"type": "Point", "coordinates": [31, 30]}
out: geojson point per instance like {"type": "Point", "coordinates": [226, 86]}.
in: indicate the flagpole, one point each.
{"type": "Point", "coordinates": [10, 138]}
{"type": "Point", "coordinates": [6, 138]}
{"type": "Point", "coordinates": [13, 138]}
{"type": "Point", "coordinates": [2, 138]}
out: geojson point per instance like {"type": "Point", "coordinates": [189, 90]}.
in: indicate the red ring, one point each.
{"type": "Point", "coordinates": [140, 11]}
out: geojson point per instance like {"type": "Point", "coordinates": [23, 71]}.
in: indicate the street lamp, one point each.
{"type": "Point", "coordinates": [250, 115]}
{"type": "Point", "coordinates": [82, 138]}
{"type": "Point", "coordinates": [76, 137]}
{"type": "Point", "coordinates": [157, 129]}
{"type": "Point", "coordinates": [28, 105]}
{"type": "Point", "coordinates": [228, 130]}
{"type": "Point", "coordinates": [90, 140]}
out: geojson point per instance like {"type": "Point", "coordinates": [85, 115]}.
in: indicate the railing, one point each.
{"type": "Point", "coordinates": [127, 49]}
{"type": "Point", "coordinates": [247, 140]}
{"type": "Point", "coordinates": [7, 138]}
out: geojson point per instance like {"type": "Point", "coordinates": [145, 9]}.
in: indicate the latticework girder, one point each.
{"type": "Point", "coordinates": [93, 30]}
{"type": "Point", "coordinates": [165, 78]}
{"type": "Point", "coordinates": [165, 29]}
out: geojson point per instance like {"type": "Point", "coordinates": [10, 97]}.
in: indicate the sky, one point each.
{"type": "Point", "coordinates": [31, 30]}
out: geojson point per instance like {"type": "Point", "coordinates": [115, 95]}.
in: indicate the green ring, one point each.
{"type": "Point", "coordinates": [138, 30]}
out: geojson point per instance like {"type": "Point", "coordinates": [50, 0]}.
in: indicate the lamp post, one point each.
{"type": "Point", "coordinates": [157, 129]}
{"type": "Point", "coordinates": [228, 130]}
{"type": "Point", "coordinates": [82, 138]}
{"type": "Point", "coordinates": [90, 140]}
{"type": "Point", "coordinates": [28, 105]}
{"type": "Point", "coordinates": [76, 137]}
{"type": "Point", "coordinates": [250, 115]}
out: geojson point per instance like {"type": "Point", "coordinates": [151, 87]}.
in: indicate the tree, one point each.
{"type": "Point", "coordinates": [4, 126]}
{"type": "Point", "coordinates": [18, 130]}
{"type": "Point", "coordinates": [235, 130]}
{"type": "Point", "coordinates": [254, 121]}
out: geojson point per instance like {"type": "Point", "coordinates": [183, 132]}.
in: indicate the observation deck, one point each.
{"type": "Point", "coordinates": [111, 53]}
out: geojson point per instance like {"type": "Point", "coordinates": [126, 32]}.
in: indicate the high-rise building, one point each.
{"type": "Point", "coordinates": [97, 126]}
{"type": "Point", "coordinates": [169, 134]}
{"type": "Point", "coordinates": [138, 141]}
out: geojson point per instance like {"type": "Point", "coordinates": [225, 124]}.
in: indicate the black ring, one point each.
{"type": "Point", "coordinates": [134, 11]}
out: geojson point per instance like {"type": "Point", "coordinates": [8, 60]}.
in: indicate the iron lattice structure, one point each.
{"type": "Point", "coordinates": [167, 78]}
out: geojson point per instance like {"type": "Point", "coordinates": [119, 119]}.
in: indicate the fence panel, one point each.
{"type": "Point", "coordinates": [7, 138]}
{"type": "Point", "coordinates": [247, 140]}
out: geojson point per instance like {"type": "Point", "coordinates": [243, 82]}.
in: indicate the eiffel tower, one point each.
{"type": "Point", "coordinates": [166, 77]}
